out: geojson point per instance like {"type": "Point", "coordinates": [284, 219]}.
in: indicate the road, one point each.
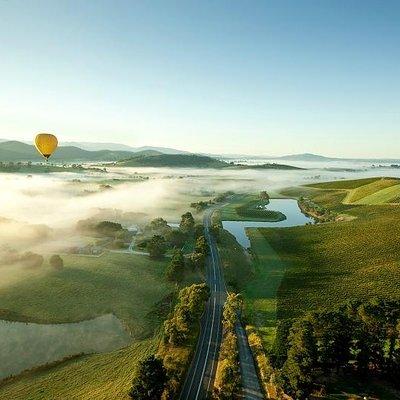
{"type": "Point", "coordinates": [199, 380]}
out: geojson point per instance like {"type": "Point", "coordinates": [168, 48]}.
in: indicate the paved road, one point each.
{"type": "Point", "coordinates": [200, 377]}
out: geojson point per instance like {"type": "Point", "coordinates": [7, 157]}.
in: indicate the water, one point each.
{"type": "Point", "coordinates": [288, 207]}
{"type": "Point", "coordinates": [26, 345]}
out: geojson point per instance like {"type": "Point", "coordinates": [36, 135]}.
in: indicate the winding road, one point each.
{"type": "Point", "coordinates": [199, 380]}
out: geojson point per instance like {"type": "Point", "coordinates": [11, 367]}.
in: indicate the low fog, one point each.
{"type": "Point", "coordinates": [39, 213]}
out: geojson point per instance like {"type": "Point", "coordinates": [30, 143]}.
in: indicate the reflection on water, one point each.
{"type": "Point", "coordinates": [25, 345]}
{"type": "Point", "coordinates": [289, 207]}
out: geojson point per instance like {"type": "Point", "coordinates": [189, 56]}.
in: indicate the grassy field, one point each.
{"type": "Point", "coordinates": [130, 286]}
{"type": "Point", "coordinates": [331, 263]}
{"type": "Point", "coordinates": [101, 377]}
{"type": "Point", "coordinates": [260, 293]}
{"type": "Point", "coordinates": [239, 201]}
{"type": "Point", "coordinates": [133, 287]}
{"type": "Point", "coordinates": [370, 191]}
{"type": "Point", "coordinates": [325, 265]}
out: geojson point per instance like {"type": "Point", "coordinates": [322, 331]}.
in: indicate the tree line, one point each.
{"type": "Point", "coordinates": [360, 339]}
{"type": "Point", "coordinates": [158, 376]}
{"type": "Point", "coordinates": [228, 372]}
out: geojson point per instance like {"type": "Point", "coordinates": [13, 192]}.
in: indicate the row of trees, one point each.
{"type": "Point", "coordinates": [228, 373]}
{"type": "Point", "coordinates": [159, 236]}
{"type": "Point", "coordinates": [29, 259]}
{"type": "Point", "coordinates": [155, 378]}
{"type": "Point", "coordinates": [190, 305]}
{"type": "Point", "coordinates": [179, 264]}
{"type": "Point", "coordinates": [359, 338]}
{"type": "Point", "coordinates": [203, 204]}
{"type": "Point", "coordinates": [319, 213]}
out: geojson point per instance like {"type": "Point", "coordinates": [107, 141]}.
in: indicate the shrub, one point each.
{"type": "Point", "coordinates": [56, 261]}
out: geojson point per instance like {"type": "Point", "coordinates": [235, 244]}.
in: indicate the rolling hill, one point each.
{"type": "Point", "coordinates": [370, 191]}
{"type": "Point", "coordinates": [94, 146]}
{"type": "Point", "coordinates": [15, 151]}
{"type": "Point", "coordinates": [18, 151]}
{"type": "Point", "coordinates": [172, 160]}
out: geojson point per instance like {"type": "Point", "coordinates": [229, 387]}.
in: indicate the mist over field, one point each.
{"type": "Point", "coordinates": [45, 208]}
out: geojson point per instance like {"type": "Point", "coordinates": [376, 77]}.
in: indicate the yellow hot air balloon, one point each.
{"type": "Point", "coordinates": [46, 143]}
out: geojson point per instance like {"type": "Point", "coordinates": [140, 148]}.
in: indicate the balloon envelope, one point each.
{"type": "Point", "coordinates": [46, 143]}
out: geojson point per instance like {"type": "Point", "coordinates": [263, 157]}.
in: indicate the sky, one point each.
{"type": "Point", "coordinates": [249, 77]}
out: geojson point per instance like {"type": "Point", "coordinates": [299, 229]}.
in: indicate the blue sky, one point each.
{"type": "Point", "coordinates": [255, 77]}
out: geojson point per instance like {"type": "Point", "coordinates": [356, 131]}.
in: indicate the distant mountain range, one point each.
{"type": "Point", "coordinates": [12, 150]}
{"type": "Point", "coordinates": [311, 157]}
{"type": "Point", "coordinates": [93, 146]}
{"type": "Point", "coordinates": [18, 151]}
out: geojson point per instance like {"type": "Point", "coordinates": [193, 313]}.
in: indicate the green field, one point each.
{"type": "Point", "coordinates": [126, 285]}
{"type": "Point", "coordinates": [260, 292]}
{"type": "Point", "coordinates": [241, 208]}
{"type": "Point", "coordinates": [101, 377]}
{"type": "Point", "coordinates": [133, 287]}
{"type": "Point", "coordinates": [370, 191]}
{"type": "Point", "coordinates": [327, 264]}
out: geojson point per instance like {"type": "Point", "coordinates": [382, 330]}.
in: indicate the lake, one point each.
{"type": "Point", "coordinates": [288, 207]}
{"type": "Point", "coordinates": [26, 345]}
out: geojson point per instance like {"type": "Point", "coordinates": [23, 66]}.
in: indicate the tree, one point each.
{"type": "Point", "coordinates": [150, 380]}
{"type": "Point", "coordinates": [301, 359]}
{"type": "Point", "coordinates": [176, 267]}
{"type": "Point", "coordinates": [176, 329]}
{"type": "Point", "coordinates": [229, 370]}
{"type": "Point", "coordinates": [187, 222]}
{"type": "Point", "coordinates": [198, 230]}
{"type": "Point", "coordinates": [175, 237]}
{"type": "Point", "coordinates": [31, 260]}
{"type": "Point", "coordinates": [188, 309]}
{"type": "Point", "coordinates": [196, 260]}
{"type": "Point", "coordinates": [156, 246]}
{"type": "Point", "coordinates": [201, 245]}
{"type": "Point", "coordinates": [108, 228]}
{"type": "Point", "coordinates": [158, 224]}
{"type": "Point", "coordinates": [56, 261]}
{"type": "Point", "coordinates": [232, 308]}
{"type": "Point", "coordinates": [264, 195]}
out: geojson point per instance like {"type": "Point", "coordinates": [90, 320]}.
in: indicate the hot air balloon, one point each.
{"type": "Point", "coordinates": [46, 144]}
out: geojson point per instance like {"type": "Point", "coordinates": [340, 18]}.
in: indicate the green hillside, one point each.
{"type": "Point", "coordinates": [126, 285]}
{"type": "Point", "coordinates": [309, 267]}
{"type": "Point", "coordinates": [365, 191]}
{"type": "Point", "coordinates": [172, 160]}
{"type": "Point", "coordinates": [101, 376]}
{"type": "Point", "coordinates": [18, 151]}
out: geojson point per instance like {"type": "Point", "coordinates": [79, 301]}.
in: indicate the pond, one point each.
{"type": "Point", "coordinates": [288, 207]}
{"type": "Point", "coordinates": [26, 345]}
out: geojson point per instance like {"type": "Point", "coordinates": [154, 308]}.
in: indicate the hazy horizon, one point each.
{"type": "Point", "coordinates": [258, 78]}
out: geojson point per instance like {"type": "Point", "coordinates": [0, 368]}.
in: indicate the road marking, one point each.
{"type": "Point", "coordinates": [207, 325]}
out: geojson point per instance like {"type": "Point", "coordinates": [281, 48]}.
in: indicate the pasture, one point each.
{"type": "Point", "coordinates": [244, 207]}
{"type": "Point", "coordinates": [129, 286]}
{"type": "Point", "coordinates": [370, 191]}
{"type": "Point", "coordinates": [305, 268]}
{"type": "Point", "coordinates": [99, 376]}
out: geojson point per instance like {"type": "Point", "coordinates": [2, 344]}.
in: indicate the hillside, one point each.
{"type": "Point", "coordinates": [172, 160]}
{"type": "Point", "coordinates": [18, 151]}
{"type": "Point", "coordinates": [268, 166]}
{"type": "Point", "coordinates": [365, 191]}
{"type": "Point", "coordinates": [94, 146]}
{"type": "Point", "coordinates": [304, 268]}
